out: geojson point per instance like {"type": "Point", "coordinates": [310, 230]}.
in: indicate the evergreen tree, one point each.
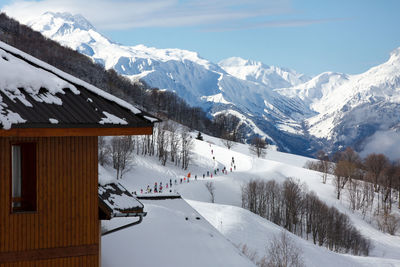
{"type": "Point", "coordinates": [199, 137]}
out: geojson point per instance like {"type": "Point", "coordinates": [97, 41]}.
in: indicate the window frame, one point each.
{"type": "Point", "coordinates": [28, 198]}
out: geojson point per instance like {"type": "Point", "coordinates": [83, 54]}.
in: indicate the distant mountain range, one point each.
{"type": "Point", "coordinates": [297, 113]}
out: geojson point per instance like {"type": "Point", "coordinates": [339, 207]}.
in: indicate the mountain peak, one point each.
{"type": "Point", "coordinates": [238, 61]}
{"type": "Point", "coordinates": [53, 24]}
{"type": "Point", "coordinates": [395, 55]}
{"type": "Point", "coordinates": [77, 20]}
{"type": "Point", "coordinates": [271, 76]}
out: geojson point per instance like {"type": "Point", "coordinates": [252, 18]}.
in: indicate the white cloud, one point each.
{"type": "Point", "coordinates": [125, 14]}
{"type": "Point", "coordinates": [387, 143]}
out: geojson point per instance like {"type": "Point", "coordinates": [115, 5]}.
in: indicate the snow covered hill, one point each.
{"type": "Point", "coordinates": [166, 237]}
{"type": "Point", "coordinates": [296, 113]}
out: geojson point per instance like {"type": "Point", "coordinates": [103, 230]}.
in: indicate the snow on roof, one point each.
{"type": "Point", "coordinates": [17, 73]}
{"type": "Point", "coordinates": [119, 200]}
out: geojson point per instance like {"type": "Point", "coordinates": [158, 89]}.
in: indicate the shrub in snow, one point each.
{"type": "Point", "coordinates": [283, 252]}
{"type": "Point", "coordinates": [388, 223]}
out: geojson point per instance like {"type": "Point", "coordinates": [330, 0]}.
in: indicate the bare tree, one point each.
{"type": "Point", "coordinates": [397, 181]}
{"type": "Point", "coordinates": [388, 222]}
{"type": "Point", "coordinates": [162, 141]}
{"type": "Point", "coordinates": [211, 189]}
{"type": "Point", "coordinates": [186, 148]}
{"type": "Point", "coordinates": [249, 253]}
{"type": "Point", "coordinates": [293, 198]}
{"type": "Point", "coordinates": [354, 194]}
{"type": "Point", "coordinates": [392, 223]}
{"type": "Point", "coordinates": [324, 165]}
{"type": "Point", "coordinates": [121, 151]}
{"type": "Point", "coordinates": [173, 144]}
{"type": "Point", "coordinates": [375, 165]}
{"type": "Point", "coordinates": [104, 151]}
{"type": "Point", "coordinates": [258, 147]}
{"type": "Point", "coordinates": [283, 252]}
{"type": "Point", "coordinates": [341, 177]}
{"type": "Point", "coordinates": [228, 140]}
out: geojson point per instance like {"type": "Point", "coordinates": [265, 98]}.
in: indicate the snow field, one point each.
{"type": "Point", "coordinates": [235, 224]}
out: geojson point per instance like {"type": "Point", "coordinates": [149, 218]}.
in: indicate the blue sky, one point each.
{"type": "Point", "coordinates": [309, 36]}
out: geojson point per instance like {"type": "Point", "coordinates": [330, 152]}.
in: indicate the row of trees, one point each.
{"type": "Point", "coordinates": [371, 185]}
{"type": "Point", "coordinates": [301, 212]}
{"type": "Point", "coordinates": [166, 143]}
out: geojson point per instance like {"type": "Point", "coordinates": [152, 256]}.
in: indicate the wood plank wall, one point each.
{"type": "Point", "coordinates": [67, 207]}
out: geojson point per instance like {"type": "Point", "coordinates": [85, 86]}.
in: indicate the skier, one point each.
{"type": "Point", "coordinates": [176, 182]}
{"type": "Point", "coordinates": [195, 177]}
{"type": "Point", "coordinates": [234, 167]}
{"type": "Point", "coordinates": [166, 186]}
{"type": "Point", "coordinates": [181, 180]}
{"type": "Point", "coordinates": [211, 175]}
{"type": "Point", "coordinates": [231, 169]}
{"type": "Point", "coordinates": [208, 173]}
{"type": "Point", "coordinates": [141, 190]}
{"type": "Point", "coordinates": [170, 182]}
{"type": "Point", "coordinates": [161, 188]}
{"type": "Point", "coordinates": [155, 187]}
{"type": "Point", "coordinates": [204, 175]}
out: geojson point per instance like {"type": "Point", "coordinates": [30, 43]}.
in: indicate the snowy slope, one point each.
{"type": "Point", "coordinates": [166, 238]}
{"type": "Point", "coordinates": [243, 227]}
{"type": "Point", "coordinates": [197, 80]}
{"type": "Point", "coordinates": [235, 224]}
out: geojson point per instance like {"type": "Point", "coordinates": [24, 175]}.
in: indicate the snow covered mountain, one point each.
{"type": "Point", "coordinates": [197, 80]}
{"type": "Point", "coordinates": [353, 108]}
{"type": "Point", "coordinates": [296, 113]}
{"type": "Point", "coordinates": [270, 76]}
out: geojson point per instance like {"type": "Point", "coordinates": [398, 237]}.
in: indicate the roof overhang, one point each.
{"type": "Point", "coordinates": [116, 201]}
{"type": "Point", "coordinates": [60, 132]}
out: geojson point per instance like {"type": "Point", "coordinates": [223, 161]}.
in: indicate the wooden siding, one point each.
{"type": "Point", "coordinates": [67, 201]}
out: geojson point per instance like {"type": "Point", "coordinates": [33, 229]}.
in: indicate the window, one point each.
{"type": "Point", "coordinates": [23, 176]}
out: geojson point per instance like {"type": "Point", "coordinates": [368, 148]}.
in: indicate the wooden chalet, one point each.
{"type": "Point", "coordinates": [49, 194]}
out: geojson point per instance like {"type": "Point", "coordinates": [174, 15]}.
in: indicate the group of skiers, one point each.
{"type": "Point", "coordinates": [158, 188]}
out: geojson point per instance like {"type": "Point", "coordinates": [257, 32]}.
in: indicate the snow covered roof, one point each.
{"type": "Point", "coordinates": [116, 201]}
{"type": "Point", "coordinates": [34, 94]}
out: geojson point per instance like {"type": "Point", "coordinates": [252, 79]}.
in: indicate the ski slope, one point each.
{"type": "Point", "coordinates": [165, 237]}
